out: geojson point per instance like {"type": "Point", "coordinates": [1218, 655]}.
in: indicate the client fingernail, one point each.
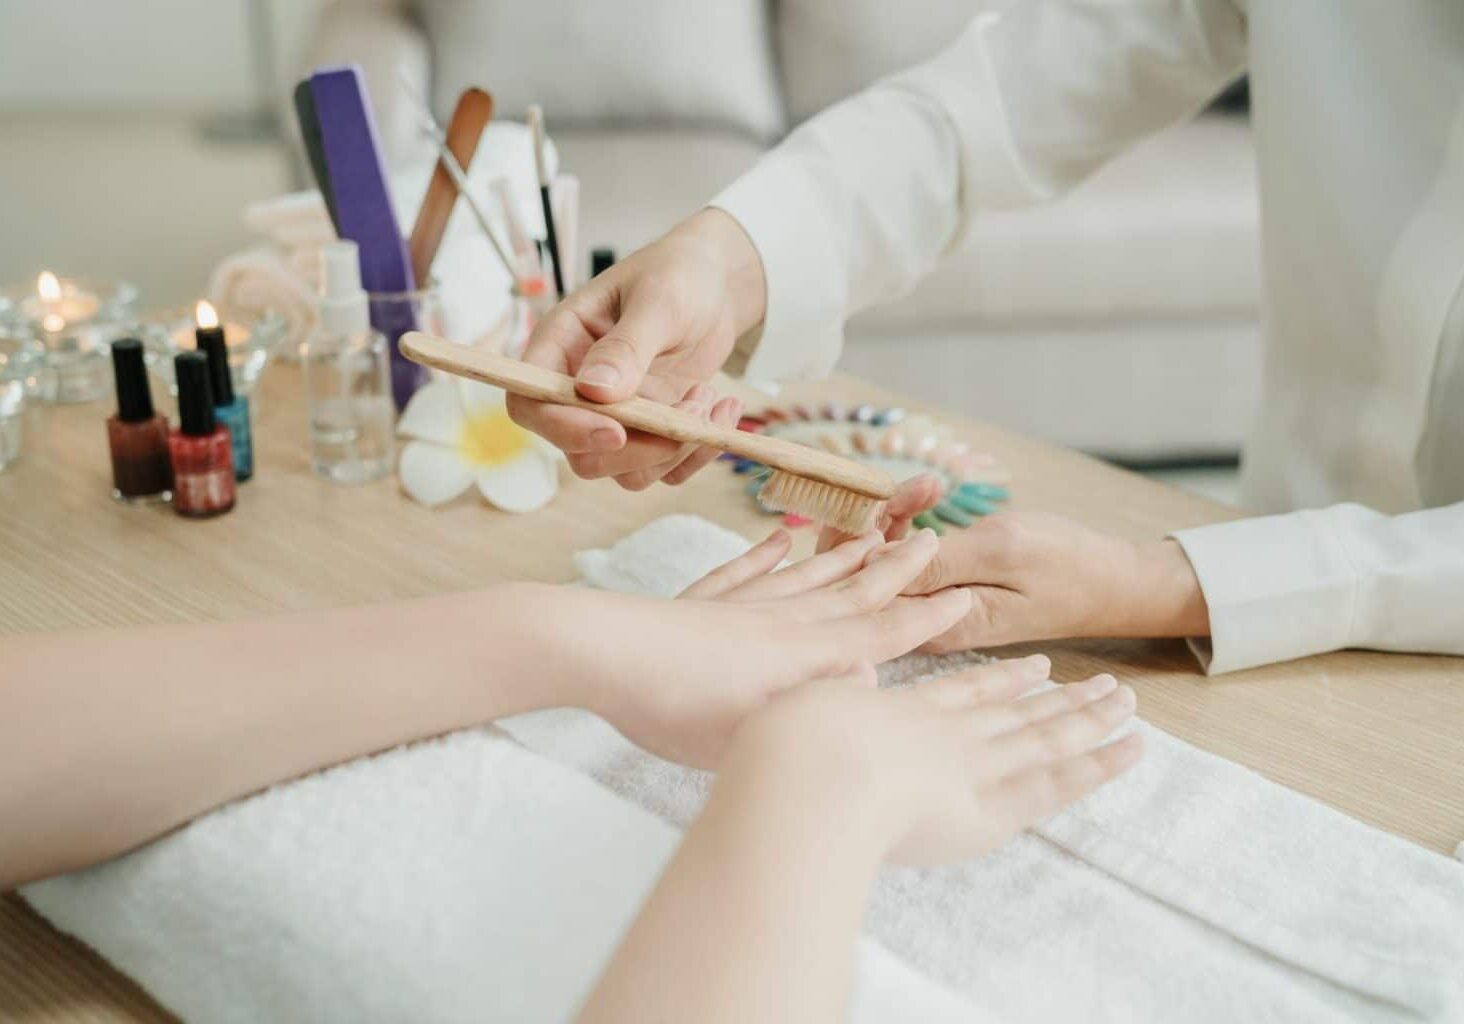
{"type": "Point", "coordinates": [1037, 665]}
{"type": "Point", "coordinates": [1102, 684]}
{"type": "Point", "coordinates": [600, 375]}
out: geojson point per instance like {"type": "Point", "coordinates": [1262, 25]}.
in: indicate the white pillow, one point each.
{"type": "Point", "coordinates": [628, 63]}
{"type": "Point", "coordinates": [830, 49]}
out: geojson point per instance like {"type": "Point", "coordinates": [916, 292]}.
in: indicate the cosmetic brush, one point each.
{"type": "Point", "coordinates": [455, 171]}
{"type": "Point", "coordinates": [541, 168]}
{"type": "Point", "coordinates": [518, 234]}
{"type": "Point", "coordinates": [566, 193]}
{"type": "Point", "coordinates": [806, 481]}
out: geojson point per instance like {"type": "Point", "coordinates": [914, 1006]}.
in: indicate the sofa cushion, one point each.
{"type": "Point", "coordinates": [627, 64]}
{"type": "Point", "coordinates": [636, 185]}
{"type": "Point", "coordinates": [829, 49]}
{"type": "Point", "coordinates": [1168, 230]}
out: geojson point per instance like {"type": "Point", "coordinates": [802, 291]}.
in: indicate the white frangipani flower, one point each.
{"type": "Point", "coordinates": [459, 433]}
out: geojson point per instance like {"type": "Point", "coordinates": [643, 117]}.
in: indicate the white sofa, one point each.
{"type": "Point", "coordinates": [1122, 319]}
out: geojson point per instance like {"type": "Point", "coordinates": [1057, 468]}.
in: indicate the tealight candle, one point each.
{"type": "Point", "coordinates": [57, 303]}
{"type": "Point", "coordinates": [206, 320]}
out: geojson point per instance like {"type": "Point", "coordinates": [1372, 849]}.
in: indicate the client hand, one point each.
{"type": "Point", "coordinates": [660, 324]}
{"type": "Point", "coordinates": [678, 677]}
{"type": "Point", "coordinates": [940, 771]}
{"type": "Point", "coordinates": [1039, 577]}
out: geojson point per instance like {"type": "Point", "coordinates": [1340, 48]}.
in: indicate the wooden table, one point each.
{"type": "Point", "coordinates": [1379, 736]}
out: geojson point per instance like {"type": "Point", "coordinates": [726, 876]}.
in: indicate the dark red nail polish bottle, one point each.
{"type": "Point", "coordinates": [137, 436]}
{"type": "Point", "coordinates": [203, 455]}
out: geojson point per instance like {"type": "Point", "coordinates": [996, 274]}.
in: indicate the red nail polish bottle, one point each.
{"type": "Point", "coordinates": [203, 456]}
{"type": "Point", "coordinates": [137, 436]}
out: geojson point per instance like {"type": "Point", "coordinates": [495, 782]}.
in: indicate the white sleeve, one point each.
{"type": "Point", "coordinates": [855, 206]}
{"type": "Point", "coordinates": [1286, 586]}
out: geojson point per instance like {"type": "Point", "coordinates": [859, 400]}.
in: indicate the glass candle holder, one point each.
{"type": "Point", "coordinates": [21, 360]}
{"type": "Point", "coordinates": [72, 322]}
{"type": "Point", "coordinates": [251, 342]}
{"type": "Point", "coordinates": [12, 421]}
{"type": "Point", "coordinates": [396, 313]}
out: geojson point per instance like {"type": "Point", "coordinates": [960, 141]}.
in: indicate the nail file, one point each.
{"type": "Point", "coordinates": [469, 119]}
{"type": "Point", "coordinates": [364, 211]}
{"type": "Point", "coordinates": [315, 147]}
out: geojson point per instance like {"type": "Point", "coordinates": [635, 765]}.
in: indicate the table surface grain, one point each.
{"type": "Point", "coordinates": [1378, 736]}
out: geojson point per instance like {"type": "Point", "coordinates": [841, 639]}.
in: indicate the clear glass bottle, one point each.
{"type": "Point", "coordinates": [347, 369]}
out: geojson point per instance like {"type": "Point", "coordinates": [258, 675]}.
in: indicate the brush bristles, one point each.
{"type": "Point", "coordinates": [844, 510]}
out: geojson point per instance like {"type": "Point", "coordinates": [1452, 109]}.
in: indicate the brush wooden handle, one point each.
{"type": "Point", "coordinates": [469, 119]}
{"type": "Point", "coordinates": [642, 414]}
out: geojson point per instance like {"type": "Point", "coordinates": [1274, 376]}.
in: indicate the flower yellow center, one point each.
{"type": "Point", "coordinates": [492, 439]}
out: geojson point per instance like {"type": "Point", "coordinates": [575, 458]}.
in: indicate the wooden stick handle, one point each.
{"type": "Point", "coordinates": [642, 414]}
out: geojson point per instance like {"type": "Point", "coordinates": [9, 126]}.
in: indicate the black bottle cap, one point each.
{"type": "Point", "coordinates": [134, 398]}
{"type": "Point", "coordinates": [211, 343]}
{"type": "Point", "coordinates": [600, 260]}
{"type": "Point", "coordinates": [195, 395]}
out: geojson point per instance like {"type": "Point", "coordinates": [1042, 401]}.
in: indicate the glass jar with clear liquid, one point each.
{"type": "Point", "coordinates": [347, 368]}
{"type": "Point", "coordinates": [352, 417]}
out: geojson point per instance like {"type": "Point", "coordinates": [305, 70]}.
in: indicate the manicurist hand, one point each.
{"type": "Point", "coordinates": [678, 677]}
{"type": "Point", "coordinates": [1040, 577]}
{"type": "Point", "coordinates": [659, 324]}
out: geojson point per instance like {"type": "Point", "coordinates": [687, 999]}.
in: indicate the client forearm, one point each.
{"type": "Point", "coordinates": [111, 737]}
{"type": "Point", "coordinates": [757, 915]}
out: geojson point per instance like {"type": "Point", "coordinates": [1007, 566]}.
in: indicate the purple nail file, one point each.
{"type": "Point", "coordinates": [364, 212]}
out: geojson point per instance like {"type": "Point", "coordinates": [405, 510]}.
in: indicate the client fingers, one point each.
{"type": "Point", "coordinates": [1060, 736]}
{"type": "Point", "coordinates": [755, 562]}
{"type": "Point", "coordinates": [1027, 798]}
{"type": "Point", "coordinates": [895, 629]}
{"type": "Point", "coordinates": [881, 580]}
{"type": "Point", "coordinates": [813, 572]}
{"type": "Point", "coordinates": [987, 684]}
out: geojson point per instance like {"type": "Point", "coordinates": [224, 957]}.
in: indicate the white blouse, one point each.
{"type": "Point", "coordinates": [1358, 110]}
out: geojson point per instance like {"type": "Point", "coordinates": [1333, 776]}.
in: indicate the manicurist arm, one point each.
{"type": "Point", "coordinates": [757, 915]}
{"type": "Point", "coordinates": [110, 738]}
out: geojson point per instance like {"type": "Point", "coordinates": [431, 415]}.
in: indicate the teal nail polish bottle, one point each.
{"type": "Point", "coordinates": [230, 409]}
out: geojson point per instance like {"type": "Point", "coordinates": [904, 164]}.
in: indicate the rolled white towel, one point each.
{"type": "Point", "coordinates": [258, 281]}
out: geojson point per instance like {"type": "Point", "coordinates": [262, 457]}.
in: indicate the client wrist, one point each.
{"type": "Point", "coordinates": [729, 245]}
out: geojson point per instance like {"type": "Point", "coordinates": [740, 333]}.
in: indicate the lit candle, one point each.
{"type": "Point", "coordinates": [205, 323]}
{"type": "Point", "coordinates": [57, 303]}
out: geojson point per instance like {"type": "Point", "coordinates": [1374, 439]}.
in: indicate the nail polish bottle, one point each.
{"type": "Point", "coordinates": [230, 410]}
{"type": "Point", "coordinates": [203, 453]}
{"type": "Point", "coordinates": [137, 436]}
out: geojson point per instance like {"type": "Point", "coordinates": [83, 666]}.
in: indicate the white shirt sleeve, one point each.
{"type": "Point", "coordinates": [855, 206]}
{"type": "Point", "coordinates": [1286, 586]}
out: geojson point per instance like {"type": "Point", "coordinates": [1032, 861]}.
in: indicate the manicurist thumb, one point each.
{"type": "Point", "coordinates": [614, 366]}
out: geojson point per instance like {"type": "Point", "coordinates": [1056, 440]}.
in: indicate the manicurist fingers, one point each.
{"type": "Point", "coordinates": [725, 414]}
{"type": "Point", "coordinates": [987, 684]}
{"type": "Point", "coordinates": [1029, 797]}
{"type": "Point", "coordinates": [758, 560]}
{"type": "Point", "coordinates": [1060, 736]}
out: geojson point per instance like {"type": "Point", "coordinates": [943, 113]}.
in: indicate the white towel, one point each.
{"type": "Point", "coordinates": [1191, 889]}
{"type": "Point", "coordinates": [461, 879]}
{"type": "Point", "coordinates": [260, 280]}
{"type": "Point", "coordinates": [469, 878]}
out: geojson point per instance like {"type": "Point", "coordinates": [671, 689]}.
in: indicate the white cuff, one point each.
{"type": "Point", "coordinates": [1278, 587]}
{"type": "Point", "coordinates": [777, 204]}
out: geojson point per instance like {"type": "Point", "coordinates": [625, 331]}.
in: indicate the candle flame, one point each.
{"type": "Point", "coordinates": [204, 315]}
{"type": "Point", "coordinates": [47, 287]}
{"type": "Point", "coordinates": [53, 322]}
